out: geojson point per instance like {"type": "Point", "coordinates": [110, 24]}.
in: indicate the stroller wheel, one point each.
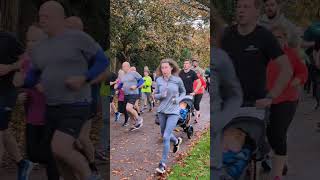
{"type": "Point", "coordinates": [190, 132]}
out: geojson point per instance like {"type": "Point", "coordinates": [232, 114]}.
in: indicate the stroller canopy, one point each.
{"type": "Point", "coordinates": [187, 99]}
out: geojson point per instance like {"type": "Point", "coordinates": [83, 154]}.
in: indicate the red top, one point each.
{"type": "Point", "coordinates": [203, 85]}
{"type": "Point", "coordinates": [300, 71]}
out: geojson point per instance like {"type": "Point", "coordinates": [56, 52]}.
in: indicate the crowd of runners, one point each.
{"type": "Point", "coordinates": [265, 60]}
{"type": "Point", "coordinates": [55, 77]}
{"type": "Point", "coordinates": [161, 90]}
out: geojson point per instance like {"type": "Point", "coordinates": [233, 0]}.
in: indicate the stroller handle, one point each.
{"type": "Point", "coordinates": [249, 104]}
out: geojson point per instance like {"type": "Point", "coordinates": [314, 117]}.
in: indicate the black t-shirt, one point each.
{"type": "Point", "coordinates": [10, 49]}
{"type": "Point", "coordinates": [188, 79]}
{"type": "Point", "coordinates": [250, 55]}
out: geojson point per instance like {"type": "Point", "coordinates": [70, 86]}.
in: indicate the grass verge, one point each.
{"type": "Point", "coordinates": [196, 164]}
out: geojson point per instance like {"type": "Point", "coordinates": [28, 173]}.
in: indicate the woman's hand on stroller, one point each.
{"type": "Point", "coordinates": [263, 103]}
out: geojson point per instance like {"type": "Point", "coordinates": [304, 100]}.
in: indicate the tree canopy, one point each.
{"type": "Point", "coordinates": [145, 31]}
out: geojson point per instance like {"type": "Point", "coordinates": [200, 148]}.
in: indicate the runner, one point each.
{"type": "Point", "coordinates": [121, 102]}
{"type": "Point", "coordinates": [251, 47]}
{"type": "Point", "coordinates": [37, 144]}
{"type": "Point", "coordinates": [85, 144]}
{"type": "Point", "coordinates": [273, 16]}
{"type": "Point", "coordinates": [136, 104]}
{"type": "Point", "coordinates": [199, 87]}
{"type": "Point", "coordinates": [11, 49]}
{"type": "Point", "coordinates": [113, 81]}
{"type": "Point", "coordinates": [284, 106]}
{"type": "Point", "coordinates": [146, 91]}
{"type": "Point", "coordinates": [188, 76]}
{"type": "Point", "coordinates": [67, 91]}
{"type": "Point", "coordinates": [169, 90]}
{"type": "Point", "coordinates": [195, 66]}
{"type": "Point", "coordinates": [207, 76]}
{"type": "Point", "coordinates": [315, 70]}
{"type": "Point", "coordinates": [131, 82]}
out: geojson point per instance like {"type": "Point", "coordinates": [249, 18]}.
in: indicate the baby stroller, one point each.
{"type": "Point", "coordinates": [186, 109]}
{"type": "Point", "coordinates": [250, 123]}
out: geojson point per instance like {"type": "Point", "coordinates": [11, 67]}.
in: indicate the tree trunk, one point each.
{"type": "Point", "coordinates": [9, 15]}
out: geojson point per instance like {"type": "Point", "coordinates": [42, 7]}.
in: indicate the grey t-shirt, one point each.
{"type": "Point", "coordinates": [130, 79]}
{"type": "Point", "coordinates": [60, 57]}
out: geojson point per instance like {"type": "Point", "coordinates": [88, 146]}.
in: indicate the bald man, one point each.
{"type": "Point", "coordinates": [131, 82]}
{"type": "Point", "coordinates": [61, 62]}
{"type": "Point", "coordinates": [74, 22]}
{"type": "Point", "coordinates": [85, 144]}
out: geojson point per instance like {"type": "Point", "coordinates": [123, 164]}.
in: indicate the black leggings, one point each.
{"type": "Point", "coordinates": [281, 116]}
{"type": "Point", "coordinates": [122, 109]}
{"type": "Point", "coordinates": [197, 100]}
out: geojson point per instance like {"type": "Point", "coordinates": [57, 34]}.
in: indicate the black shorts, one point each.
{"type": "Point", "coordinates": [67, 118]}
{"type": "Point", "coordinates": [131, 99]}
{"type": "Point", "coordinates": [7, 103]}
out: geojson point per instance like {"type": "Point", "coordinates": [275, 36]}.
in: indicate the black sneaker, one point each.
{"type": "Point", "coordinates": [161, 169]}
{"type": "Point", "coordinates": [176, 147]}
{"type": "Point", "coordinates": [125, 124]}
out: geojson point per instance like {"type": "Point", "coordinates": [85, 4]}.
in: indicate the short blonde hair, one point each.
{"type": "Point", "coordinates": [280, 28]}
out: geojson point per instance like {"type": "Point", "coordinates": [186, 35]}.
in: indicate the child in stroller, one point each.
{"type": "Point", "coordinates": [243, 142]}
{"type": "Point", "coordinates": [186, 109]}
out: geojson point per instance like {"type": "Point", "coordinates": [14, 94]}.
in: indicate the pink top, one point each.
{"type": "Point", "coordinates": [36, 102]}
{"type": "Point", "coordinates": [120, 92]}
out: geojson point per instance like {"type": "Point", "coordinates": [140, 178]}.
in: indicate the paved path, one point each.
{"type": "Point", "coordinates": [135, 155]}
{"type": "Point", "coordinates": [304, 143]}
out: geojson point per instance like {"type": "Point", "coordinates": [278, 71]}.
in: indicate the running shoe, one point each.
{"type": "Point", "coordinates": [125, 124]}
{"type": "Point", "coordinates": [117, 116]}
{"type": "Point", "coordinates": [161, 169]}
{"type": "Point", "coordinates": [24, 169]}
{"type": "Point", "coordinates": [138, 125]}
{"type": "Point", "coordinates": [176, 147]}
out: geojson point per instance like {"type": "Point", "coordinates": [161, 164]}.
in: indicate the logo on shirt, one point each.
{"type": "Point", "coordinates": [251, 48]}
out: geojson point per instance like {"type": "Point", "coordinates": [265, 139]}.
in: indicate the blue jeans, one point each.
{"type": "Point", "coordinates": [105, 106]}
{"type": "Point", "coordinates": [167, 124]}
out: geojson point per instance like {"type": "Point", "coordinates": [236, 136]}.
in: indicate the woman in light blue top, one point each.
{"type": "Point", "coordinates": [169, 91]}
